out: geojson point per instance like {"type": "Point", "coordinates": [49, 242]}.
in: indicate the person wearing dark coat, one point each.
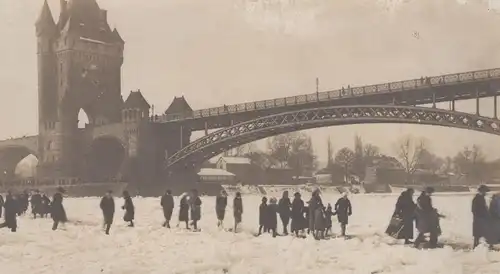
{"type": "Point", "coordinates": [45, 206]}
{"type": "Point", "coordinates": [167, 204]}
{"type": "Point", "coordinates": [129, 208]}
{"type": "Point", "coordinates": [297, 214]}
{"type": "Point", "coordinates": [284, 209]}
{"type": "Point", "coordinates": [184, 210]}
{"type": "Point", "coordinates": [2, 202]}
{"type": "Point", "coordinates": [237, 210]}
{"type": "Point", "coordinates": [328, 219]}
{"type": "Point", "coordinates": [36, 204]}
{"type": "Point", "coordinates": [195, 205]}
{"type": "Point", "coordinates": [314, 203]}
{"type": "Point", "coordinates": [343, 210]}
{"type": "Point", "coordinates": [480, 215]}
{"type": "Point", "coordinates": [57, 211]}
{"type": "Point", "coordinates": [11, 207]}
{"type": "Point", "coordinates": [24, 200]}
{"type": "Point", "coordinates": [427, 219]}
{"type": "Point", "coordinates": [405, 209]}
{"type": "Point", "coordinates": [272, 216]}
{"type": "Point", "coordinates": [262, 216]}
{"type": "Point", "coordinates": [220, 208]}
{"type": "Point", "coordinates": [307, 218]}
{"type": "Point", "coordinates": [107, 206]}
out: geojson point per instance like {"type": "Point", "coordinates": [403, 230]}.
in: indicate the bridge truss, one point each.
{"type": "Point", "coordinates": [212, 144]}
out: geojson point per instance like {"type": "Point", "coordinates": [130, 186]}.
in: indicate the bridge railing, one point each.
{"type": "Point", "coordinates": [424, 82]}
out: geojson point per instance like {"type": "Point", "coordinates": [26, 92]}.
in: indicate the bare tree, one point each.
{"type": "Point", "coordinates": [471, 162]}
{"type": "Point", "coordinates": [409, 151]}
{"type": "Point", "coordinates": [302, 159]}
{"type": "Point", "coordinates": [279, 147]}
{"type": "Point", "coordinates": [243, 150]}
{"type": "Point", "coordinates": [371, 151]}
{"type": "Point", "coordinates": [345, 158]}
{"type": "Point", "coordinates": [261, 159]}
{"type": "Point", "coordinates": [293, 150]}
{"type": "Point", "coordinates": [429, 161]}
{"type": "Point", "coordinates": [330, 152]}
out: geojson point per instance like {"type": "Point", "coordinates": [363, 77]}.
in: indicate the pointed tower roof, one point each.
{"type": "Point", "coordinates": [136, 100]}
{"type": "Point", "coordinates": [178, 105]}
{"type": "Point", "coordinates": [63, 15]}
{"type": "Point", "coordinates": [117, 37]}
{"type": "Point", "coordinates": [45, 24]}
{"type": "Point", "coordinates": [87, 19]}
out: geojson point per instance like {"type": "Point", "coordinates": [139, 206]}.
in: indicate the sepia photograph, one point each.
{"type": "Point", "coordinates": [250, 136]}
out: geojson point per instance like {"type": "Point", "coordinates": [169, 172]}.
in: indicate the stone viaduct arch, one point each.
{"type": "Point", "coordinates": [12, 151]}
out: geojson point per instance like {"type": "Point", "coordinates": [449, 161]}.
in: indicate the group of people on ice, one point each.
{"type": "Point", "coordinates": [311, 216]}
{"type": "Point", "coordinates": [315, 217]}
{"type": "Point", "coordinates": [485, 224]}
{"type": "Point", "coordinates": [16, 205]}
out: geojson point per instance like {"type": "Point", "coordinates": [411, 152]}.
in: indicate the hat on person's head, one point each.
{"type": "Point", "coordinates": [429, 189]}
{"type": "Point", "coordinates": [483, 188]}
{"type": "Point", "coordinates": [297, 194]}
{"type": "Point", "coordinates": [60, 189]}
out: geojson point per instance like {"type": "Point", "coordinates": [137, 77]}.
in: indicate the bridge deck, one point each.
{"type": "Point", "coordinates": [438, 84]}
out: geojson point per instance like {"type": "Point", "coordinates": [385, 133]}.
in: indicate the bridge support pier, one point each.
{"type": "Point", "coordinates": [182, 179]}
{"type": "Point", "coordinates": [495, 114]}
{"type": "Point", "coordinates": [477, 101]}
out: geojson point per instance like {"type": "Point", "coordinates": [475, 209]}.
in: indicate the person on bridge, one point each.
{"type": "Point", "coordinates": [284, 209]}
{"type": "Point", "coordinates": [11, 206]}
{"type": "Point", "coordinates": [107, 206]}
{"type": "Point", "coordinates": [57, 211]}
{"type": "Point", "coordinates": [237, 210]}
{"type": "Point", "coordinates": [167, 204]}
{"type": "Point", "coordinates": [129, 208]}
{"type": "Point", "coordinates": [343, 209]}
{"type": "Point", "coordinates": [195, 205]}
{"type": "Point", "coordinates": [220, 208]}
{"type": "Point", "coordinates": [480, 216]}
{"type": "Point", "coordinates": [36, 203]}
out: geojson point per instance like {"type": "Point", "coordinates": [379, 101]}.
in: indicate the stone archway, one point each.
{"type": "Point", "coordinates": [17, 162]}
{"type": "Point", "coordinates": [104, 159]}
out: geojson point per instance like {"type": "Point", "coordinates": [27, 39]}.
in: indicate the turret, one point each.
{"type": "Point", "coordinates": [179, 108]}
{"type": "Point", "coordinates": [135, 108]}
{"type": "Point", "coordinates": [45, 25]}
{"type": "Point", "coordinates": [63, 15]}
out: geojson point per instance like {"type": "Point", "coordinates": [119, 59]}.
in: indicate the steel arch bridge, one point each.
{"type": "Point", "coordinates": [212, 144]}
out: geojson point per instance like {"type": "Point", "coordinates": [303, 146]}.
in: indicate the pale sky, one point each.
{"type": "Point", "coordinates": [230, 51]}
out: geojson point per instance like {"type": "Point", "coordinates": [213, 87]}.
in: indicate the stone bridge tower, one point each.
{"type": "Point", "coordinates": [79, 67]}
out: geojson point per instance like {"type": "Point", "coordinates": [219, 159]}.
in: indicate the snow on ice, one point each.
{"type": "Point", "coordinates": [82, 247]}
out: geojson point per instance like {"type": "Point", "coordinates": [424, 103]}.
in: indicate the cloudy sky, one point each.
{"type": "Point", "coordinates": [229, 51]}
